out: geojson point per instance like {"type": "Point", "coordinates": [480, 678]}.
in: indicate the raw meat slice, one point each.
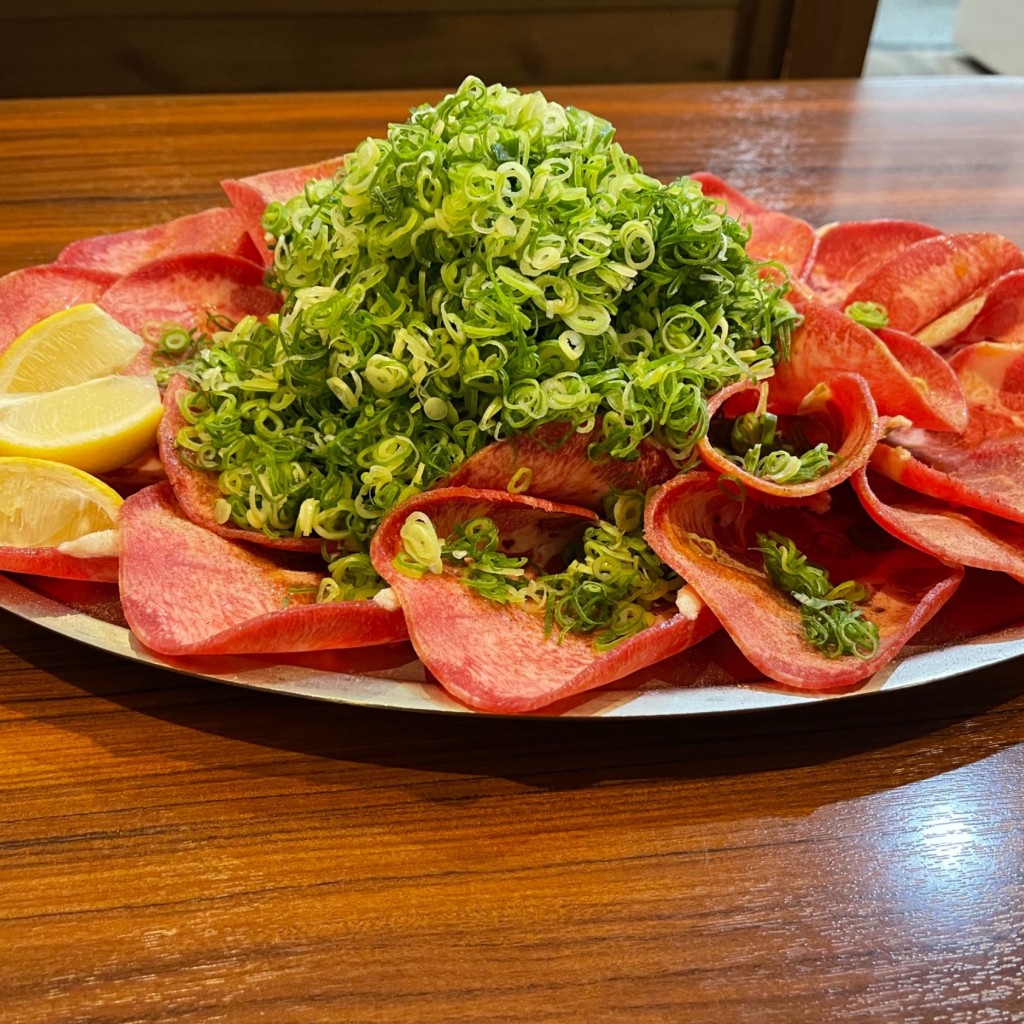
{"type": "Point", "coordinates": [905, 377]}
{"type": "Point", "coordinates": [841, 414]}
{"type": "Point", "coordinates": [197, 490]}
{"type": "Point", "coordinates": [55, 563]}
{"type": "Point", "coordinates": [847, 252]}
{"type": "Point", "coordinates": [250, 196]}
{"type": "Point", "coordinates": [30, 295]}
{"type": "Point", "coordinates": [146, 470]}
{"type": "Point", "coordinates": [221, 229]}
{"type": "Point", "coordinates": [955, 536]}
{"type": "Point", "coordinates": [983, 467]}
{"type": "Point", "coordinates": [709, 538]}
{"type": "Point", "coordinates": [773, 235]}
{"type": "Point", "coordinates": [193, 291]}
{"type": "Point", "coordinates": [931, 375]}
{"type": "Point", "coordinates": [187, 591]}
{"type": "Point", "coordinates": [1001, 317]}
{"type": "Point", "coordinates": [495, 657]}
{"type": "Point", "coordinates": [929, 278]}
{"type": "Point", "coordinates": [559, 468]}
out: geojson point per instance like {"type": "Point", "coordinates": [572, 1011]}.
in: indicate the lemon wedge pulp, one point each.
{"type": "Point", "coordinates": [69, 347]}
{"type": "Point", "coordinates": [62, 398]}
{"type": "Point", "coordinates": [96, 426]}
{"type": "Point", "coordinates": [44, 504]}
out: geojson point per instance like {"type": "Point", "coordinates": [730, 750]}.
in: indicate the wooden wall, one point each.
{"type": "Point", "coordinates": [107, 47]}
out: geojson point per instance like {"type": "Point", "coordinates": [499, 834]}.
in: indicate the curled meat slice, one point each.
{"type": "Point", "coordinates": [197, 490]}
{"type": "Point", "coordinates": [250, 196]}
{"type": "Point", "coordinates": [840, 414]}
{"type": "Point", "coordinates": [905, 377]}
{"type": "Point", "coordinates": [847, 252]}
{"type": "Point", "coordinates": [498, 657]}
{"type": "Point", "coordinates": [956, 536]}
{"type": "Point", "coordinates": [710, 539]}
{"type": "Point", "coordinates": [929, 278]}
{"type": "Point", "coordinates": [983, 467]}
{"type": "Point", "coordinates": [63, 564]}
{"type": "Point", "coordinates": [1001, 315]}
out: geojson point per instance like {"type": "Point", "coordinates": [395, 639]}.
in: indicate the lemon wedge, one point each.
{"type": "Point", "coordinates": [96, 426]}
{"type": "Point", "coordinates": [63, 399]}
{"type": "Point", "coordinates": [46, 504]}
{"type": "Point", "coordinates": [69, 347]}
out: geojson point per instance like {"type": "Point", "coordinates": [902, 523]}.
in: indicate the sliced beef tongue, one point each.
{"type": "Point", "coordinates": [30, 295]}
{"type": "Point", "coordinates": [186, 591]}
{"type": "Point", "coordinates": [957, 536]}
{"type": "Point", "coordinates": [709, 538]}
{"type": "Point", "coordinates": [1000, 316]}
{"type": "Point", "coordinates": [58, 564]}
{"type": "Point", "coordinates": [220, 229]}
{"type": "Point", "coordinates": [774, 236]}
{"type": "Point", "coordinates": [841, 414]}
{"type": "Point", "coordinates": [250, 196]}
{"type": "Point", "coordinates": [195, 290]}
{"type": "Point", "coordinates": [499, 658]}
{"type": "Point", "coordinates": [847, 252]}
{"type": "Point", "coordinates": [931, 277]}
{"type": "Point", "coordinates": [905, 378]}
{"type": "Point", "coordinates": [553, 463]}
{"type": "Point", "coordinates": [983, 467]}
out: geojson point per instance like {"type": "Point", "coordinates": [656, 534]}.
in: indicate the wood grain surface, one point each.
{"type": "Point", "coordinates": [172, 850]}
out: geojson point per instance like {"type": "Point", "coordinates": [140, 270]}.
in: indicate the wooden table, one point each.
{"type": "Point", "coordinates": [172, 850]}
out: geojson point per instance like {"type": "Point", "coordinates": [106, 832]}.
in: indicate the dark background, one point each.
{"type": "Point", "coordinates": [126, 47]}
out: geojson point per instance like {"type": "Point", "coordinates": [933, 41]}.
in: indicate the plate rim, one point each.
{"type": "Point", "coordinates": [912, 667]}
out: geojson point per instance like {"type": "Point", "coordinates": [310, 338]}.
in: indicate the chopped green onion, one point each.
{"type": "Point", "coordinates": [870, 314]}
{"type": "Point", "coordinates": [609, 588]}
{"type": "Point", "coordinates": [495, 263]}
{"type": "Point", "coordinates": [760, 449]}
{"type": "Point", "coordinates": [831, 623]}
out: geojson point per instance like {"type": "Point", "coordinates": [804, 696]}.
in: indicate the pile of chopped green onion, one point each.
{"type": "Point", "coordinates": [495, 263]}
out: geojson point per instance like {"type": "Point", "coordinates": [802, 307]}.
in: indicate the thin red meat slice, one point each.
{"type": "Point", "coordinates": [30, 295]}
{"type": "Point", "coordinates": [929, 278]}
{"type": "Point", "coordinates": [495, 657]}
{"type": "Point", "coordinates": [145, 471]}
{"type": "Point", "coordinates": [54, 563]}
{"type": "Point", "coordinates": [841, 414]}
{"type": "Point", "coordinates": [191, 290]}
{"type": "Point", "coordinates": [986, 476]}
{"type": "Point", "coordinates": [250, 196]}
{"type": "Point", "coordinates": [983, 467]}
{"type": "Point", "coordinates": [907, 587]}
{"type": "Point", "coordinates": [905, 377]}
{"type": "Point", "coordinates": [932, 376]}
{"type": "Point", "coordinates": [846, 253]}
{"type": "Point", "coordinates": [1001, 316]}
{"type": "Point", "coordinates": [559, 468]}
{"type": "Point", "coordinates": [197, 490]}
{"type": "Point", "coordinates": [773, 235]}
{"type": "Point", "coordinates": [187, 591]}
{"type": "Point", "coordinates": [221, 229]}
{"type": "Point", "coordinates": [955, 536]}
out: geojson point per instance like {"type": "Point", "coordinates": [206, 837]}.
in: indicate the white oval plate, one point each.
{"type": "Point", "coordinates": [392, 677]}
